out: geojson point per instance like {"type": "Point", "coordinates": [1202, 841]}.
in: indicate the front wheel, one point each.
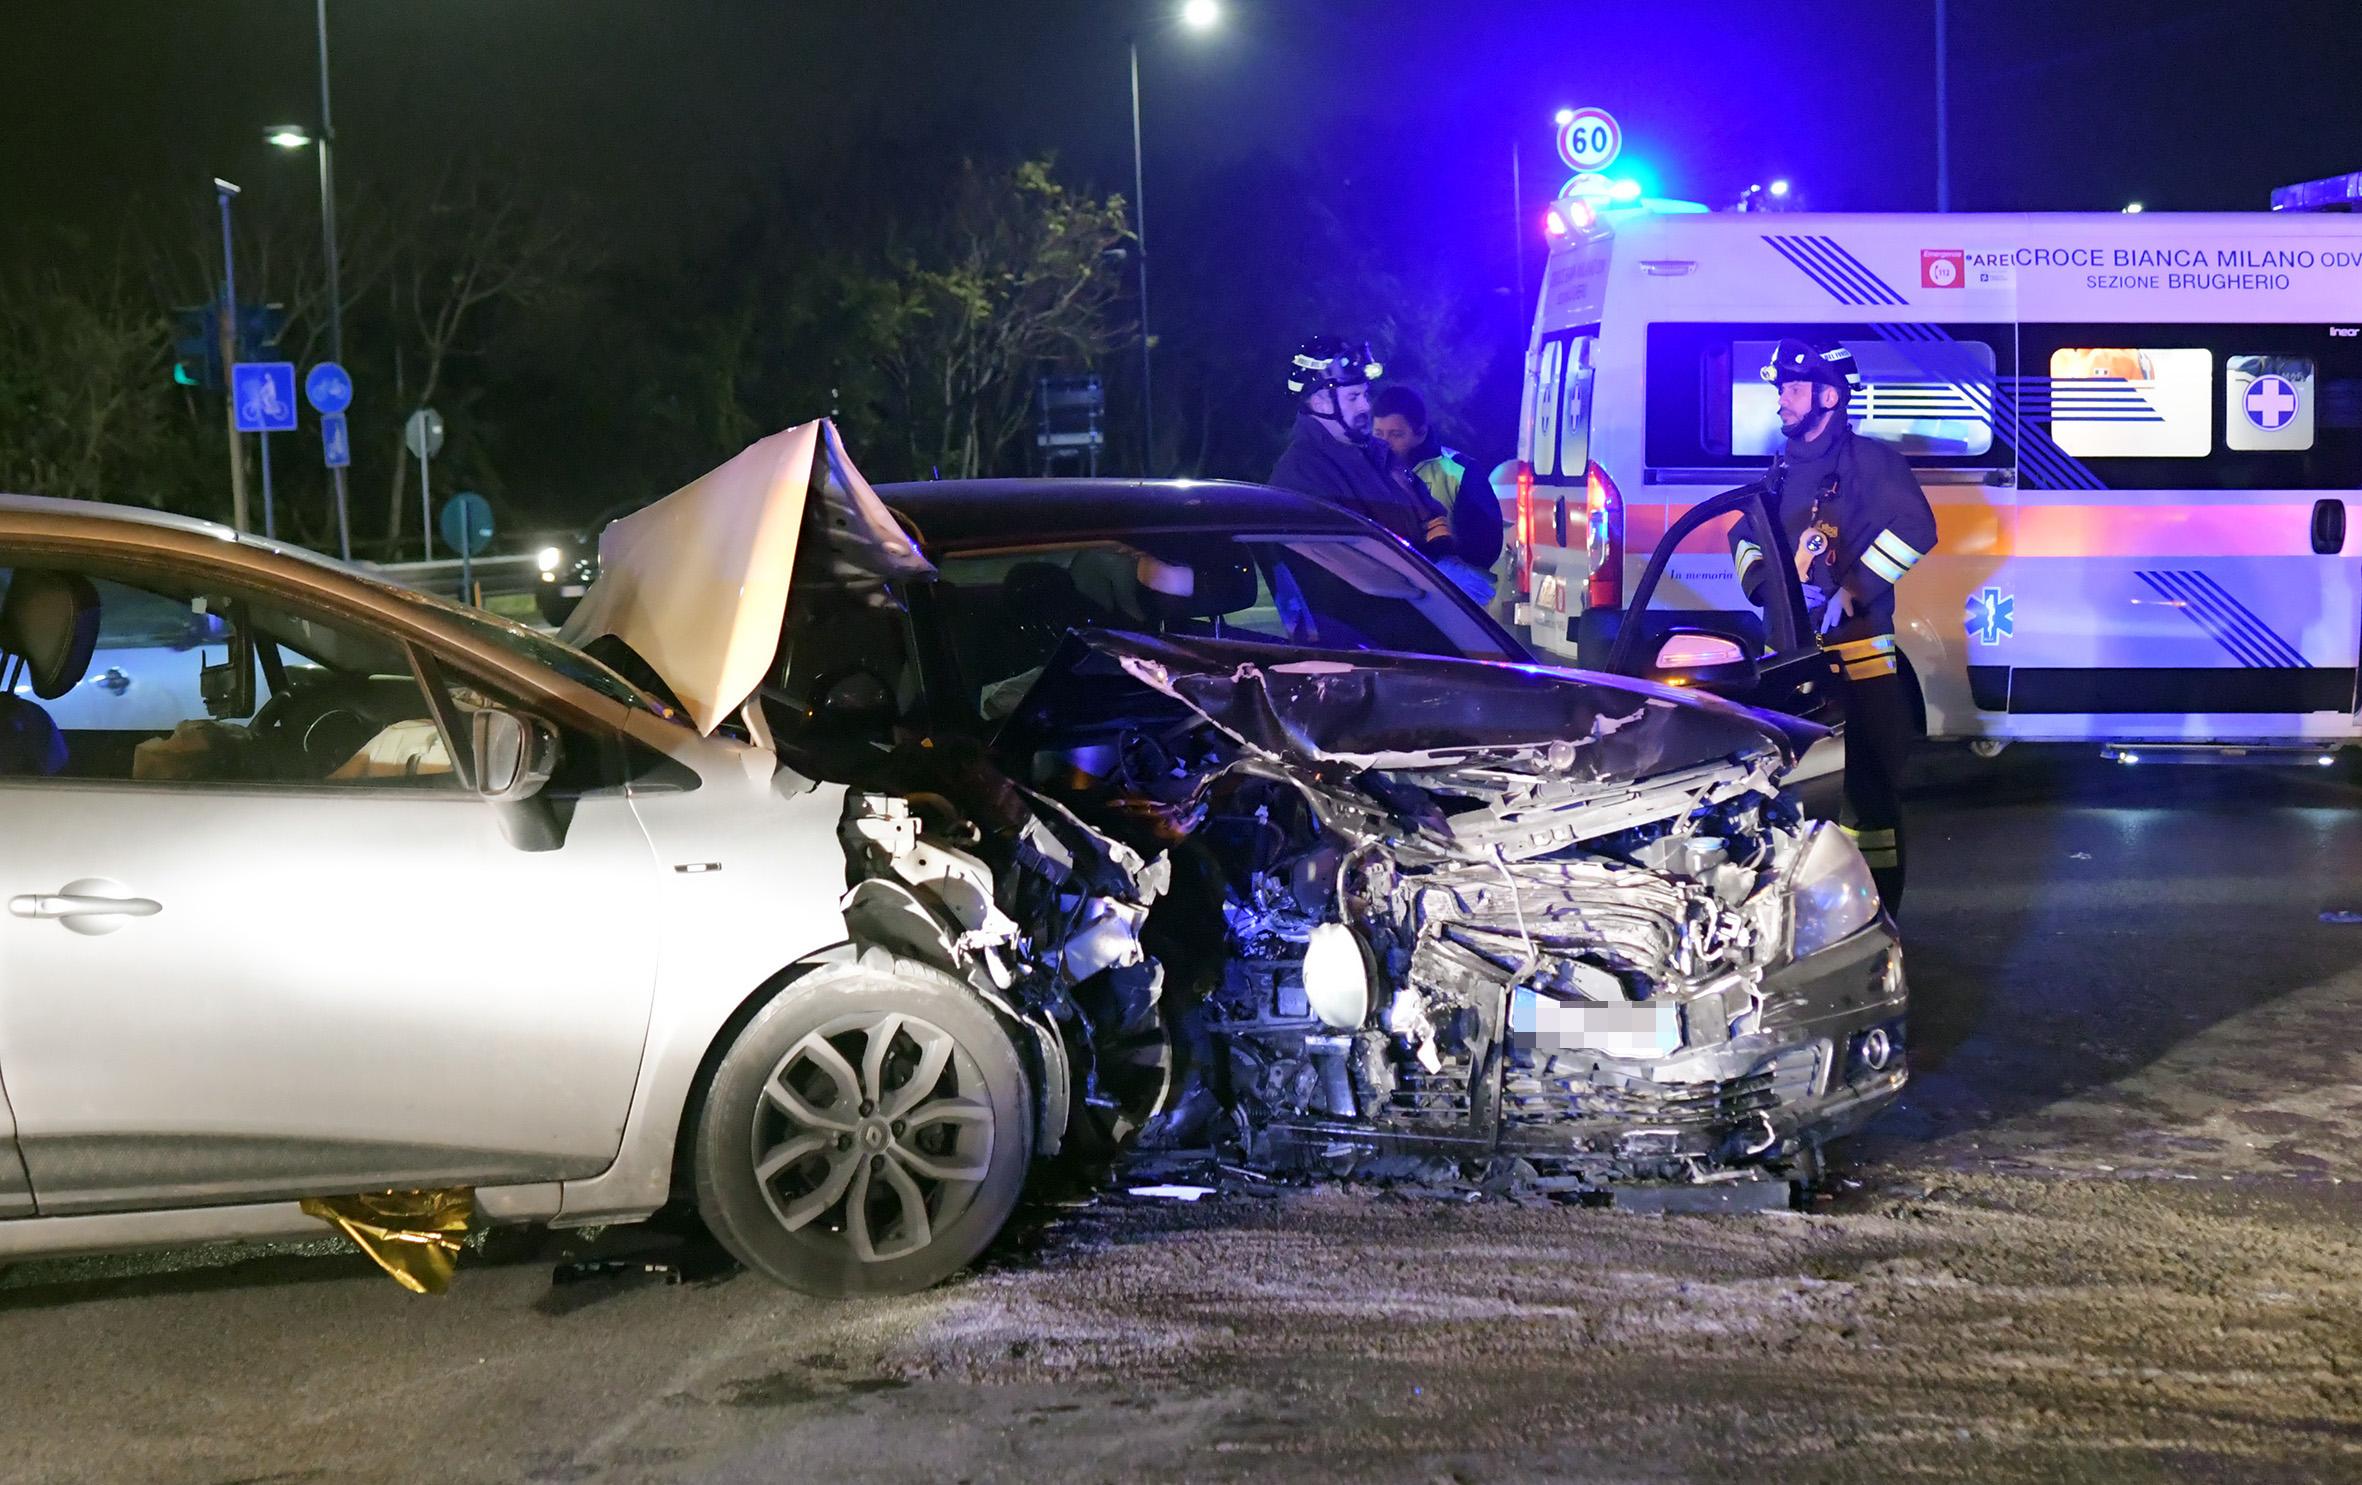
{"type": "Point", "coordinates": [868, 1132]}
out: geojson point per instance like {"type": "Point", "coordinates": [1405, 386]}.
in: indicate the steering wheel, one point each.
{"type": "Point", "coordinates": [317, 723]}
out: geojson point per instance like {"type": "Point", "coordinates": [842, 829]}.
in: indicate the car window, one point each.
{"type": "Point", "coordinates": [1005, 611]}
{"type": "Point", "coordinates": [190, 682]}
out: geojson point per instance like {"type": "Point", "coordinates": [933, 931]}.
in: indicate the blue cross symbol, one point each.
{"type": "Point", "coordinates": [2271, 403]}
{"type": "Point", "coordinates": [1992, 616]}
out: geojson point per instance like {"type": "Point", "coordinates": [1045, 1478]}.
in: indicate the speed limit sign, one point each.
{"type": "Point", "coordinates": [1590, 139]}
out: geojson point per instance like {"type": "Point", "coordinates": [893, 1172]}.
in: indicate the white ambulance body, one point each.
{"type": "Point", "coordinates": [2141, 434]}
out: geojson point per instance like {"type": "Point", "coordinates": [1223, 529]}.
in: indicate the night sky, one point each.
{"type": "Point", "coordinates": [664, 123]}
{"type": "Point", "coordinates": [650, 107]}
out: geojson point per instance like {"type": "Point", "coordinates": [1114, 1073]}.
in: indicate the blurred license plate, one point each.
{"type": "Point", "coordinates": [1641, 1031]}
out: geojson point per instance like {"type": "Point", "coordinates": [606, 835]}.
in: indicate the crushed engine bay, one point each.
{"type": "Point", "coordinates": [1317, 913]}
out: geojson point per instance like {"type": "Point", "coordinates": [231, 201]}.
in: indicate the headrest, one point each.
{"type": "Point", "coordinates": [49, 620]}
{"type": "Point", "coordinates": [30, 743]}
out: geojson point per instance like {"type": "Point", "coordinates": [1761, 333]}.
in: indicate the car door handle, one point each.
{"type": "Point", "coordinates": [74, 905]}
{"type": "Point", "coordinates": [91, 906]}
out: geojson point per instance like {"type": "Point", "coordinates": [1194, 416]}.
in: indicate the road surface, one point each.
{"type": "Point", "coordinates": [2114, 1232]}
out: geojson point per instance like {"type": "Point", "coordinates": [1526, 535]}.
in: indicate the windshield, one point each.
{"type": "Point", "coordinates": [528, 645]}
{"type": "Point", "coordinates": [1006, 609]}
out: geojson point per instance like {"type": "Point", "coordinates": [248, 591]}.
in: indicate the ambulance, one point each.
{"type": "Point", "coordinates": [2141, 435]}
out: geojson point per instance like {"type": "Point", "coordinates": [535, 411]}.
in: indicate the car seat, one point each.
{"type": "Point", "coordinates": [48, 632]}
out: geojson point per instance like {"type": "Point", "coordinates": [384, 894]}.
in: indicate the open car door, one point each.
{"type": "Point", "coordinates": [1782, 670]}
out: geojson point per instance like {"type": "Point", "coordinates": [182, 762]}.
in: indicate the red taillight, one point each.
{"type": "Point", "coordinates": [1525, 529]}
{"type": "Point", "coordinates": [1603, 539]}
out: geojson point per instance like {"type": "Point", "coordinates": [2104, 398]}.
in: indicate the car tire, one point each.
{"type": "Point", "coordinates": [820, 1161]}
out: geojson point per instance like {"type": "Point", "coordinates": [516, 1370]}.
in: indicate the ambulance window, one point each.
{"type": "Point", "coordinates": [1923, 398]}
{"type": "Point", "coordinates": [2132, 402]}
{"type": "Point", "coordinates": [2269, 403]}
{"type": "Point", "coordinates": [1574, 424]}
{"type": "Point", "coordinates": [1928, 396]}
{"type": "Point", "coordinates": [1546, 411]}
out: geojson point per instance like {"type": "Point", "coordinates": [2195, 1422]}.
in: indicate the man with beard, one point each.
{"type": "Point", "coordinates": [1853, 520]}
{"type": "Point", "coordinates": [1333, 456]}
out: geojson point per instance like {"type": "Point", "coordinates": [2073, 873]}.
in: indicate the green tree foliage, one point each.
{"type": "Point", "coordinates": [1023, 274]}
{"type": "Point", "coordinates": [86, 404]}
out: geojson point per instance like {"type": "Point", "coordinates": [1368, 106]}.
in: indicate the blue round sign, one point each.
{"type": "Point", "coordinates": [466, 523]}
{"type": "Point", "coordinates": [327, 388]}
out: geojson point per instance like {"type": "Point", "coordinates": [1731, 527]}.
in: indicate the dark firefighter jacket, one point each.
{"type": "Point", "coordinates": [1852, 519]}
{"type": "Point", "coordinates": [1364, 479]}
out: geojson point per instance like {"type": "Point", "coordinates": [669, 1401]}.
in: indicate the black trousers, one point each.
{"type": "Point", "coordinates": [1878, 738]}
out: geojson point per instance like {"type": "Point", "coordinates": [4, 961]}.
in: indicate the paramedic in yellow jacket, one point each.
{"type": "Point", "coordinates": [1854, 521]}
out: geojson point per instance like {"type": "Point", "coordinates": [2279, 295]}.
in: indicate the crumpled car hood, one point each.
{"type": "Point", "coordinates": [698, 583]}
{"type": "Point", "coordinates": [1391, 711]}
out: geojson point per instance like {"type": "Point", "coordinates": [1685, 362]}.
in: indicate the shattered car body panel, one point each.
{"type": "Point", "coordinates": [1554, 912]}
{"type": "Point", "coordinates": [697, 584]}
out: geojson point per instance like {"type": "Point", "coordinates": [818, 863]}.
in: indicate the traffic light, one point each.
{"type": "Point", "coordinates": [196, 341]}
{"type": "Point", "coordinates": [196, 349]}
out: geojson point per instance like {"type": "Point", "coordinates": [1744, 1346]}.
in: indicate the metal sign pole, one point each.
{"type": "Point", "coordinates": [344, 525]}
{"type": "Point", "coordinates": [270, 521]}
{"type": "Point", "coordinates": [426, 510]}
{"type": "Point", "coordinates": [228, 328]}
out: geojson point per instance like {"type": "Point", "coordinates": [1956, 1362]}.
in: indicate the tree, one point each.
{"type": "Point", "coordinates": [85, 400]}
{"type": "Point", "coordinates": [472, 247]}
{"type": "Point", "coordinates": [1024, 273]}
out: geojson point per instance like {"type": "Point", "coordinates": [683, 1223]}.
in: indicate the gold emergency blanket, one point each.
{"type": "Point", "coordinates": [413, 1235]}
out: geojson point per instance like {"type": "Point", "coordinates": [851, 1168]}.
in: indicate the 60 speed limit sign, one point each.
{"type": "Point", "coordinates": [1590, 139]}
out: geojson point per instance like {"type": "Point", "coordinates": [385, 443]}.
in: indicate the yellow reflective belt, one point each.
{"type": "Point", "coordinates": [1863, 670]}
{"type": "Point", "coordinates": [1863, 649]}
{"type": "Point", "coordinates": [1439, 529]}
{"type": "Point", "coordinates": [1878, 847]}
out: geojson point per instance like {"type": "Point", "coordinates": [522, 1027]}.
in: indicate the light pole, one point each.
{"type": "Point", "coordinates": [292, 137]}
{"type": "Point", "coordinates": [1943, 114]}
{"type": "Point", "coordinates": [1197, 15]}
{"type": "Point", "coordinates": [227, 333]}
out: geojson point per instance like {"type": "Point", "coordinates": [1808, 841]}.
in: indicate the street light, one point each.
{"type": "Point", "coordinates": [1779, 188]}
{"type": "Point", "coordinates": [2134, 209]}
{"type": "Point", "coordinates": [293, 137]}
{"type": "Point", "coordinates": [1197, 15]}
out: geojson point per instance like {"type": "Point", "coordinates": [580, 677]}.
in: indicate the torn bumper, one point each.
{"type": "Point", "coordinates": [1825, 1052]}
{"type": "Point", "coordinates": [1820, 1050]}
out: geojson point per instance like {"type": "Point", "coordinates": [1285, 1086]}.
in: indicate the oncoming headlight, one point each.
{"type": "Point", "coordinates": [1831, 892]}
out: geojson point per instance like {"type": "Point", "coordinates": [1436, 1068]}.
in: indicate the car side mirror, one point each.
{"type": "Point", "coordinates": [514, 755]}
{"type": "Point", "coordinates": [1704, 659]}
{"type": "Point", "coordinates": [853, 704]}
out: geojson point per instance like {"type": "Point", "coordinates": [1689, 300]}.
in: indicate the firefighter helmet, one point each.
{"type": "Point", "coordinates": [1798, 361]}
{"type": "Point", "coordinates": [1328, 361]}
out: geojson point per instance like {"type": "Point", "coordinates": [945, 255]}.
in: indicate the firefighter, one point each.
{"type": "Point", "coordinates": [1853, 521]}
{"type": "Point", "coordinates": [1332, 456]}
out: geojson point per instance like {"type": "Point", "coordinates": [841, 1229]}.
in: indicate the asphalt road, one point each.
{"type": "Point", "coordinates": [2111, 1234]}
